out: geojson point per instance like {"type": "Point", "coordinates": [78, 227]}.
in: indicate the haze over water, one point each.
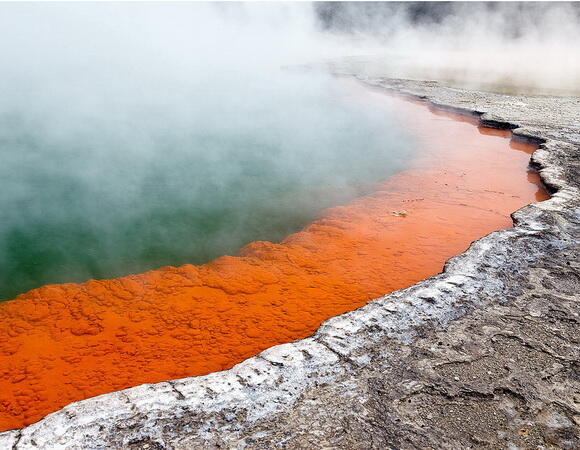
{"type": "Point", "coordinates": [138, 135]}
{"type": "Point", "coordinates": [111, 169]}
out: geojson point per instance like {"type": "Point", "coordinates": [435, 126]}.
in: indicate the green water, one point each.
{"type": "Point", "coordinates": [124, 184]}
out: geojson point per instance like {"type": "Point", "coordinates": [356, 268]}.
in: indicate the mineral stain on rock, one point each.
{"type": "Point", "coordinates": [62, 343]}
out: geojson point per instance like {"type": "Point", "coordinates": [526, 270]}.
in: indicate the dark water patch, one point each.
{"type": "Point", "coordinates": [122, 184]}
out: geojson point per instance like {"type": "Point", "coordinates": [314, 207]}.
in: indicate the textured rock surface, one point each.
{"type": "Point", "coordinates": [484, 354]}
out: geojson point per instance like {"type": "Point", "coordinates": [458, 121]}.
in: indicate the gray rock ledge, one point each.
{"type": "Point", "coordinates": [483, 355]}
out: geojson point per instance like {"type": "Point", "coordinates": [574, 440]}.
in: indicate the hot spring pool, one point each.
{"type": "Point", "coordinates": [65, 342]}
{"type": "Point", "coordinates": [127, 181]}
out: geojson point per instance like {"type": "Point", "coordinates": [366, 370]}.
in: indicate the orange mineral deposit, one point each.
{"type": "Point", "coordinates": [62, 343]}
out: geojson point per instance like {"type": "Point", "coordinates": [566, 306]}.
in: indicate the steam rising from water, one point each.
{"type": "Point", "coordinates": [505, 46]}
{"type": "Point", "coordinates": [138, 135]}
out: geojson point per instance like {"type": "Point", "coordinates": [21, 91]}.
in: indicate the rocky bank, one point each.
{"type": "Point", "coordinates": [484, 354]}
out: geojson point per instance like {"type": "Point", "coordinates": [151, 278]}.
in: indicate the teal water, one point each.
{"type": "Point", "coordinates": [105, 187]}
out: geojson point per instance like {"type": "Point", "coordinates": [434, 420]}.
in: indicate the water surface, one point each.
{"type": "Point", "coordinates": [100, 182]}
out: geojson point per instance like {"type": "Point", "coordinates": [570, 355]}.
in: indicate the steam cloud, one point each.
{"type": "Point", "coordinates": [512, 47]}
{"type": "Point", "coordinates": [138, 135]}
{"type": "Point", "coordinates": [127, 131]}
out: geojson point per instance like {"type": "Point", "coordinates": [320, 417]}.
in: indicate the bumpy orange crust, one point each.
{"type": "Point", "coordinates": [62, 343]}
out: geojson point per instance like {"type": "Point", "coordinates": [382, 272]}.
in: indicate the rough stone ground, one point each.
{"type": "Point", "coordinates": [484, 355]}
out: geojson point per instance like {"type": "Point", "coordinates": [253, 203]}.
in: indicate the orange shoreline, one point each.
{"type": "Point", "coordinates": [62, 343]}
